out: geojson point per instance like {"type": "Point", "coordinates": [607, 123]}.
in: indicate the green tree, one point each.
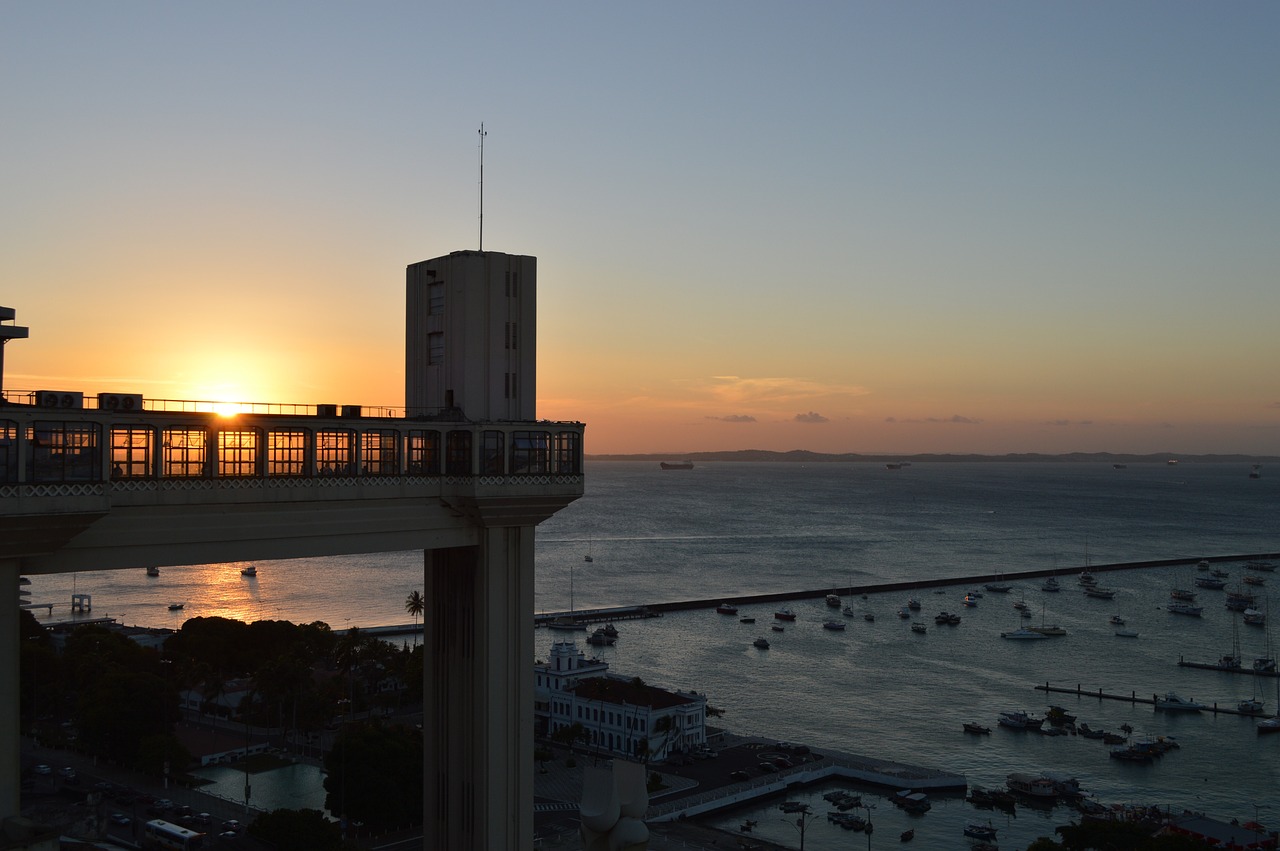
{"type": "Point", "coordinates": [298, 830]}
{"type": "Point", "coordinates": [374, 775]}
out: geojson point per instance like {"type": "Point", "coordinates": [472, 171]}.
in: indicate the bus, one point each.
{"type": "Point", "coordinates": [159, 833]}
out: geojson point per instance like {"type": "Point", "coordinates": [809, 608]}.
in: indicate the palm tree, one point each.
{"type": "Point", "coordinates": [415, 604]}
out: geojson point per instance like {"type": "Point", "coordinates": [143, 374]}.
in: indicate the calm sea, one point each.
{"type": "Point", "coordinates": [877, 688]}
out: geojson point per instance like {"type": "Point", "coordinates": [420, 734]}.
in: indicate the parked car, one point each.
{"type": "Point", "coordinates": [768, 768]}
{"type": "Point", "coordinates": [120, 819]}
{"type": "Point", "coordinates": [738, 775]}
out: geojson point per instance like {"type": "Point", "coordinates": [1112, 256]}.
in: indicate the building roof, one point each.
{"type": "Point", "coordinates": [633, 691]}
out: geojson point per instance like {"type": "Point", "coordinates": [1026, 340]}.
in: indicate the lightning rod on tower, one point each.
{"type": "Point", "coordinates": [482, 135]}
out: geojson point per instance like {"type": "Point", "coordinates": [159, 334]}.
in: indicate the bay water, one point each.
{"type": "Point", "coordinates": [735, 529]}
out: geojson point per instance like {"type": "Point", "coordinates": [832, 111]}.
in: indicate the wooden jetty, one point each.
{"type": "Point", "coordinates": [1132, 697]}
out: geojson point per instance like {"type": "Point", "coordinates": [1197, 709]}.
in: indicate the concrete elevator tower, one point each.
{"type": "Point", "coordinates": [470, 356]}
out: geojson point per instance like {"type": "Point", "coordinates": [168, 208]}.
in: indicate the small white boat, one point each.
{"type": "Point", "coordinates": [1099, 593]}
{"type": "Point", "coordinates": [970, 600]}
{"type": "Point", "coordinates": [1250, 706]}
{"type": "Point", "coordinates": [1175, 703]}
{"type": "Point", "coordinates": [1180, 608]}
{"type": "Point", "coordinates": [726, 609]}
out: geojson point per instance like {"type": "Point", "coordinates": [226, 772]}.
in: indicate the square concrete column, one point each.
{"type": "Point", "coordinates": [478, 693]}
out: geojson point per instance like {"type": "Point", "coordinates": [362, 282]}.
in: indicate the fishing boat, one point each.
{"type": "Point", "coordinates": [1031, 786]}
{"type": "Point", "coordinates": [1250, 579]}
{"type": "Point", "coordinates": [1099, 593]}
{"type": "Point", "coordinates": [833, 600]}
{"type": "Point", "coordinates": [1182, 594]}
{"type": "Point", "coordinates": [1051, 585]}
{"type": "Point", "coordinates": [777, 627]}
{"type": "Point", "coordinates": [1126, 633]}
{"type": "Point", "coordinates": [727, 609]}
{"type": "Point", "coordinates": [1210, 583]}
{"type": "Point", "coordinates": [1254, 617]}
{"type": "Point", "coordinates": [867, 616]}
{"type": "Point", "coordinates": [970, 600]}
{"type": "Point", "coordinates": [976, 729]}
{"type": "Point", "coordinates": [1019, 720]}
{"type": "Point", "coordinates": [251, 571]}
{"type": "Point", "coordinates": [785, 615]}
{"type": "Point", "coordinates": [761, 643]}
{"type": "Point", "coordinates": [834, 626]}
{"type": "Point", "coordinates": [1117, 620]}
{"type": "Point", "coordinates": [176, 607]}
{"type": "Point", "coordinates": [919, 628]}
{"type": "Point", "coordinates": [1173, 702]}
{"type": "Point", "coordinates": [848, 611]}
{"type": "Point", "coordinates": [1178, 607]}
{"type": "Point", "coordinates": [1264, 566]}
{"type": "Point", "coordinates": [973, 830]}
{"type": "Point", "coordinates": [602, 638]}
{"type": "Point", "coordinates": [153, 571]}
{"type": "Point", "coordinates": [747, 619]}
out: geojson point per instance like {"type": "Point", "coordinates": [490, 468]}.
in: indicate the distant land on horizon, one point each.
{"type": "Point", "coordinates": [802, 455]}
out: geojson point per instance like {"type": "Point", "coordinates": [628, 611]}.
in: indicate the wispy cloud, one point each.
{"type": "Point", "coordinates": [1065, 423]}
{"type": "Point", "coordinates": [956, 419]}
{"type": "Point", "coordinates": [811, 417]}
{"type": "Point", "coordinates": [735, 418]}
{"type": "Point", "coordinates": [736, 389]}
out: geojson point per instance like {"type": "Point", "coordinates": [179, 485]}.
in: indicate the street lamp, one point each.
{"type": "Point", "coordinates": [802, 824]}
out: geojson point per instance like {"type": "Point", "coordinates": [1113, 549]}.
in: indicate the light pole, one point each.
{"type": "Point", "coordinates": [802, 824]}
{"type": "Point", "coordinates": [868, 808]}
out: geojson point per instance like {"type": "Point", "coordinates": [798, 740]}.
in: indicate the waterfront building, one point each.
{"type": "Point", "coordinates": [619, 715]}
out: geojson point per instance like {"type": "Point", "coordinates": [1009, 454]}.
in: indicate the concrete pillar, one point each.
{"type": "Point", "coordinates": [10, 762]}
{"type": "Point", "coordinates": [478, 700]}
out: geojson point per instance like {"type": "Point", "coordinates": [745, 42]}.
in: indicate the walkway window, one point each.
{"type": "Point", "coordinates": [567, 457]}
{"type": "Point", "coordinates": [286, 453]}
{"type": "Point", "coordinates": [183, 452]}
{"type": "Point", "coordinates": [491, 453]}
{"type": "Point", "coordinates": [8, 451]}
{"type": "Point", "coordinates": [435, 348]}
{"type": "Point", "coordinates": [378, 455]}
{"type": "Point", "coordinates": [530, 452]}
{"type": "Point", "coordinates": [435, 298]}
{"type": "Point", "coordinates": [64, 452]}
{"type": "Point", "coordinates": [424, 453]}
{"type": "Point", "coordinates": [333, 453]}
{"type": "Point", "coordinates": [238, 452]}
{"type": "Point", "coordinates": [457, 453]}
{"type": "Point", "coordinates": [131, 451]}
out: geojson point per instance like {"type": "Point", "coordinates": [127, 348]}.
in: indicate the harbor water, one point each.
{"type": "Point", "coordinates": [876, 688]}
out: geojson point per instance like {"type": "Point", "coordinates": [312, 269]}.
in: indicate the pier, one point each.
{"type": "Point", "coordinates": [1239, 669]}
{"type": "Point", "coordinates": [1006, 576]}
{"type": "Point", "coordinates": [1132, 697]}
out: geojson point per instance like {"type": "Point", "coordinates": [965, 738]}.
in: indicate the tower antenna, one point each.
{"type": "Point", "coordinates": [482, 135]}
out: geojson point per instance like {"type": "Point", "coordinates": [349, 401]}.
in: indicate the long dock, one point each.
{"type": "Point", "coordinates": [656, 609]}
{"type": "Point", "coordinates": [1132, 697]}
{"type": "Point", "coordinates": [1238, 669]}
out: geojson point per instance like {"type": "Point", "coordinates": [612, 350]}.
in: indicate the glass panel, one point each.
{"type": "Point", "coordinates": [333, 453]}
{"type": "Point", "coordinates": [238, 453]}
{"type": "Point", "coordinates": [530, 452]}
{"type": "Point", "coordinates": [458, 453]}
{"type": "Point", "coordinates": [64, 452]}
{"type": "Point", "coordinates": [183, 452]}
{"type": "Point", "coordinates": [378, 455]}
{"type": "Point", "coordinates": [491, 453]}
{"type": "Point", "coordinates": [424, 453]}
{"type": "Point", "coordinates": [8, 451]}
{"type": "Point", "coordinates": [131, 451]}
{"type": "Point", "coordinates": [286, 453]}
{"type": "Point", "coordinates": [568, 453]}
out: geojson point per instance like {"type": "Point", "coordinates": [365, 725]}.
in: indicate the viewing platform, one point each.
{"type": "Point", "coordinates": [116, 480]}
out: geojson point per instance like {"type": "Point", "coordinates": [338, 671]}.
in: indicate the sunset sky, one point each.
{"type": "Point", "coordinates": [839, 226]}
